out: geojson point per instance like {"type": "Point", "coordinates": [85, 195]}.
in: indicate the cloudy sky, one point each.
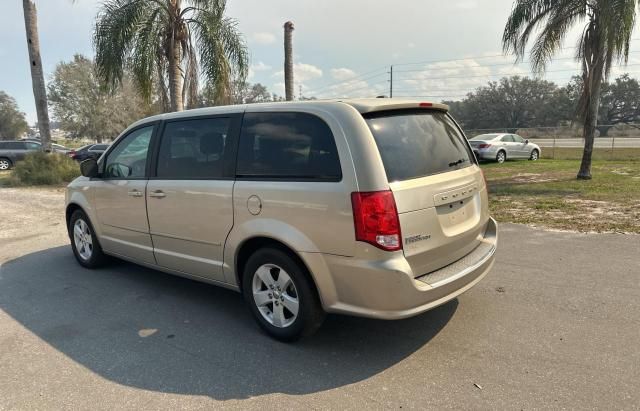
{"type": "Point", "coordinates": [439, 49]}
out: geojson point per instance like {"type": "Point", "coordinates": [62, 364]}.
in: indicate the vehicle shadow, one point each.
{"type": "Point", "coordinates": [145, 329]}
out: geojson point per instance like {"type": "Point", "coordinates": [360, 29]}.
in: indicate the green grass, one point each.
{"type": "Point", "coordinates": [547, 193]}
{"type": "Point", "coordinates": [4, 178]}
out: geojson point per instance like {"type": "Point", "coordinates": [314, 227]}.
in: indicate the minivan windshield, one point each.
{"type": "Point", "coordinates": [416, 143]}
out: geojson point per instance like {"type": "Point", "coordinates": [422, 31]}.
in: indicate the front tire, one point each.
{"type": "Point", "coordinates": [84, 241]}
{"type": "Point", "coordinates": [5, 164]}
{"type": "Point", "coordinates": [281, 295]}
{"type": "Point", "coordinates": [501, 157]}
{"type": "Point", "coordinates": [535, 154]}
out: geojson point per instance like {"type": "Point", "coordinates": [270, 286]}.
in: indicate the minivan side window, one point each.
{"type": "Point", "coordinates": [193, 149]}
{"type": "Point", "coordinates": [129, 158]}
{"type": "Point", "coordinates": [287, 146]}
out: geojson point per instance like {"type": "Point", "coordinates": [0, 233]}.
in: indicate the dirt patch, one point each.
{"type": "Point", "coordinates": [532, 178]}
{"type": "Point", "coordinates": [568, 214]}
{"type": "Point", "coordinates": [30, 216]}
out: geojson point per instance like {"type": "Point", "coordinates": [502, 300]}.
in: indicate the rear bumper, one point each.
{"type": "Point", "coordinates": [388, 289]}
{"type": "Point", "coordinates": [485, 154]}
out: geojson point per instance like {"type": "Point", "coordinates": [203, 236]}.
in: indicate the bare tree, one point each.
{"type": "Point", "coordinates": [37, 74]}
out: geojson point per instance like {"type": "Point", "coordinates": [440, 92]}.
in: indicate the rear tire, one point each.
{"type": "Point", "coordinates": [84, 241]}
{"type": "Point", "coordinates": [5, 164]}
{"type": "Point", "coordinates": [281, 295]}
{"type": "Point", "coordinates": [535, 154]}
{"type": "Point", "coordinates": [501, 157]}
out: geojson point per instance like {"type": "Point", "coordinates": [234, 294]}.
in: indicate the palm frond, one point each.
{"type": "Point", "coordinates": [559, 22]}
{"type": "Point", "coordinates": [144, 34]}
{"type": "Point", "coordinates": [147, 53]}
{"type": "Point", "coordinates": [222, 50]}
{"type": "Point", "coordinates": [553, 18]}
{"type": "Point", "coordinates": [114, 36]}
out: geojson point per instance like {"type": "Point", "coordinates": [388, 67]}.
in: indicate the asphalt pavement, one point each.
{"type": "Point", "coordinates": [556, 324]}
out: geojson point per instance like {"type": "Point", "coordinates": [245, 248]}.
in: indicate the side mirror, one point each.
{"type": "Point", "coordinates": [89, 168]}
{"type": "Point", "coordinates": [526, 141]}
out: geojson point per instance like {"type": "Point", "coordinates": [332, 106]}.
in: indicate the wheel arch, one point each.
{"type": "Point", "coordinates": [11, 163]}
{"type": "Point", "coordinates": [73, 207]}
{"type": "Point", "coordinates": [70, 209]}
{"type": "Point", "coordinates": [253, 244]}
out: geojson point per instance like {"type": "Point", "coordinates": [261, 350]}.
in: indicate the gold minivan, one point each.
{"type": "Point", "coordinates": [374, 208]}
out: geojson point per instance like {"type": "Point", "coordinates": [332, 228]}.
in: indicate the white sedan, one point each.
{"type": "Point", "coordinates": [500, 147]}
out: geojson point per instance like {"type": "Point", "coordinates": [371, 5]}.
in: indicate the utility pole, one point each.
{"type": "Point", "coordinates": [288, 60]}
{"type": "Point", "coordinates": [391, 82]}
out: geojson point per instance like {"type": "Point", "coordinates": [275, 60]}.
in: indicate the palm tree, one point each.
{"type": "Point", "coordinates": [37, 74]}
{"type": "Point", "coordinates": [288, 60]}
{"type": "Point", "coordinates": [607, 30]}
{"type": "Point", "coordinates": [165, 44]}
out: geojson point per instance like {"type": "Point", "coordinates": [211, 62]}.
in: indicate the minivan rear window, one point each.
{"type": "Point", "coordinates": [418, 143]}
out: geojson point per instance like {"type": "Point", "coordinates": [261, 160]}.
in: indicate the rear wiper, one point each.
{"type": "Point", "coordinates": [455, 163]}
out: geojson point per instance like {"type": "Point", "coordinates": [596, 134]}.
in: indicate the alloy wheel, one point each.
{"type": "Point", "coordinates": [275, 295]}
{"type": "Point", "coordinates": [4, 164]}
{"type": "Point", "coordinates": [82, 239]}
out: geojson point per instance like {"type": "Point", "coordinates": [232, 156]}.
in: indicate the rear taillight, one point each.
{"type": "Point", "coordinates": [376, 219]}
{"type": "Point", "coordinates": [71, 153]}
{"type": "Point", "coordinates": [484, 146]}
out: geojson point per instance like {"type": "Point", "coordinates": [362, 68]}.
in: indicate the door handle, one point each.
{"type": "Point", "coordinates": [135, 193]}
{"type": "Point", "coordinates": [157, 194]}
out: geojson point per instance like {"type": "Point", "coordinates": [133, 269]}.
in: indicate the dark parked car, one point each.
{"type": "Point", "coordinates": [89, 151]}
{"type": "Point", "coordinates": [14, 151]}
{"type": "Point", "coordinates": [56, 148]}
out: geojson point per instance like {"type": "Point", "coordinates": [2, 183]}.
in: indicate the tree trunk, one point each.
{"type": "Point", "coordinates": [175, 59]}
{"type": "Point", "coordinates": [288, 60]}
{"type": "Point", "coordinates": [589, 129]}
{"type": "Point", "coordinates": [37, 74]}
{"type": "Point", "coordinates": [175, 76]}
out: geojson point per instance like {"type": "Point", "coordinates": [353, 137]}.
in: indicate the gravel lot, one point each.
{"type": "Point", "coordinates": [556, 324]}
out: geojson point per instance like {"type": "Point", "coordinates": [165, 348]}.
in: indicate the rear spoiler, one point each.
{"type": "Point", "coordinates": [402, 105]}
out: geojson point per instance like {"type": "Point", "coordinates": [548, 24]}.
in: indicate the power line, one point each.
{"type": "Point", "coordinates": [346, 84]}
{"type": "Point", "coordinates": [478, 57]}
{"type": "Point", "coordinates": [491, 65]}
{"type": "Point", "coordinates": [493, 75]}
{"type": "Point", "coordinates": [350, 86]}
{"type": "Point", "coordinates": [410, 89]}
{"type": "Point", "coordinates": [369, 86]}
{"type": "Point", "coordinates": [352, 79]}
{"type": "Point", "coordinates": [323, 88]}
